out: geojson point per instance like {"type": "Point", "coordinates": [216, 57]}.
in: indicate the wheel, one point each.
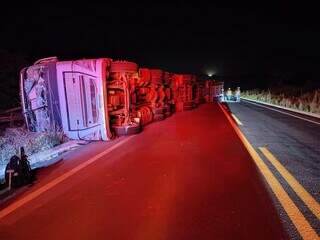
{"type": "Point", "coordinates": [123, 66]}
{"type": "Point", "coordinates": [145, 75]}
{"type": "Point", "coordinates": [158, 110]}
{"type": "Point", "coordinates": [168, 108]}
{"type": "Point", "coordinates": [156, 76]}
{"type": "Point", "coordinates": [145, 114]}
{"type": "Point", "coordinates": [158, 117]}
{"type": "Point", "coordinates": [127, 130]}
{"type": "Point", "coordinates": [179, 107]}
{"type": "Point", "coordinates": [188, 106]}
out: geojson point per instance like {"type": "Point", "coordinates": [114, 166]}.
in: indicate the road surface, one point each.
{"type": "Point", "coordinates": [187, 177]}
{"type": "Point", "coordinates": [294, 141]}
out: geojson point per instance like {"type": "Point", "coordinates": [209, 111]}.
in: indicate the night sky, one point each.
{"type": "Point", "coordinates": [253, 45]}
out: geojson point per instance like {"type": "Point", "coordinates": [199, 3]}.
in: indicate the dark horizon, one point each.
{"type": "Point", "coordinates": [259, 43]}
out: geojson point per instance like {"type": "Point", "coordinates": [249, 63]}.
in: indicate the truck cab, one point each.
{"type": "Point", "coordinates": [68, 96]}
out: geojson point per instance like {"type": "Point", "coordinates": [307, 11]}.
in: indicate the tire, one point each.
{"type": "Point", "coordinates": [187, 78]}
{"type": "Point", "coordinates": [166, 78]}
{"type": "Point", "coordinates": [168, 108]}
{"type": "Point", "coordinates": [156, 76]}
{"type": "Point", "coordinates": [145, 114]}
{"type": "Point", "coordinates": [188, 106]}
{"type": "Point", "coordinates": [158, 111]}
{"type": "Point", "coordinates": [158, 117]}
{"type": "Point", "coordinates": [127, 130]}
{"type": "Point", "coordinates": [178, 107]}
{"type": "Point", "coordinates": [145, 75]}
{"type": "Point", "coordinates": [123, 66]}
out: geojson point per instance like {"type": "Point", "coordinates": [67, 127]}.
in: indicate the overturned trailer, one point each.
{"type": "Point", "coordinates": [186, 91]}
{"type": "Point", "coordinates": [214, 91]}
{"type": "Point", "coordinates": [96, 99]}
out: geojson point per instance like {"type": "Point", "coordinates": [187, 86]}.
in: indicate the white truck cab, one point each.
{"type": "Point", "coordinates": [67, 95]}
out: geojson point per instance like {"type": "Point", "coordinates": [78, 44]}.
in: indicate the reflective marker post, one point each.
{"type": "Point", "coordinates": [10, 176]}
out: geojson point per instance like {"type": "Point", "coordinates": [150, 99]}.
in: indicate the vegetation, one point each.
{"type": "Point", "coordinates": [308, 102]}
{"type": "Point", "coordinates": [33, 142]}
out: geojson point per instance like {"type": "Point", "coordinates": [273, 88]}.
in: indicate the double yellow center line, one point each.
{"type": "Point", "coordinates": [306, 197]}
{"type": "Point", "coordinates": [295, 215]}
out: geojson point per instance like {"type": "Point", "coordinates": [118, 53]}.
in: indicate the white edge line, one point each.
{"type": "Point", "coordinates": [284, 108]}
{"type": "Point", "coordinates": [11, 208]}
{"type": "Point", "coordinates": [236, 119]}
{"type": "Point", "coordinates": [298, 220]}
{"type": "Point", "coordinates": [292, 115]}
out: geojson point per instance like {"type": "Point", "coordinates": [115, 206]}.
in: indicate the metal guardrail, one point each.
{"type": "Point", "coordinates": [11, 115]}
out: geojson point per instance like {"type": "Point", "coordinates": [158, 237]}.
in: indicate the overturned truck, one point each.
{"type": "Point", "coordinates": [97, 99]}
{"type": "Point", "coordinates": [67, 95]}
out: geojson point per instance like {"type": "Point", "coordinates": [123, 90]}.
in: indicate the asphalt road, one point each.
{"type": "Point", "coordinates": [295, 143]}
{"type": "Point", "coordinates": [187, 177]}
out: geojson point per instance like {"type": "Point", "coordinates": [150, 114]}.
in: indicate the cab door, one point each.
{"type": "Point", "coordinates": [82, 103]}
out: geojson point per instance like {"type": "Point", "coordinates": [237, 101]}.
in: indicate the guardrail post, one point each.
{"type": "Point", "coordinates": [10, 178]}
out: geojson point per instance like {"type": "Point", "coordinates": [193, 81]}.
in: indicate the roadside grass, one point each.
{"type": "Point", "coordinates": [33, 142]}
{"type": "Point", "coordinates": [307, 102]}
